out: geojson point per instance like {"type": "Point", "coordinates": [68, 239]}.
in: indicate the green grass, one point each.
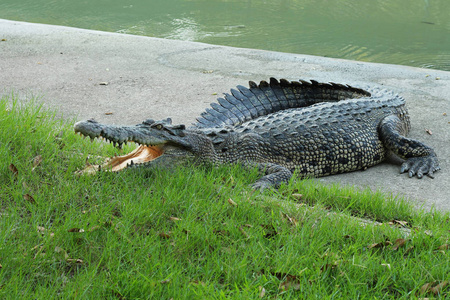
{"type": "Point", "coordinates": [162, 235]}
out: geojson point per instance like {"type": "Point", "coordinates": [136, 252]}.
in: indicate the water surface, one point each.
{"type": "Point", "coordinates": [408, 32]}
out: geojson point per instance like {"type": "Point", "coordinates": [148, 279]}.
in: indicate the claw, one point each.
{"type": "Point", "coordinates": [260, 185]}
{"type": "Point", "coordinates": [419, 166]}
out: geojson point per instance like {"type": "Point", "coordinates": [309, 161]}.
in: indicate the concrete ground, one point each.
{"type": "Point", "coordinates": [124, 79]}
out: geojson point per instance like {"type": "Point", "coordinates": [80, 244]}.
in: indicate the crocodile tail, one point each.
{"type": "Point", "coordinates": [244, 104]}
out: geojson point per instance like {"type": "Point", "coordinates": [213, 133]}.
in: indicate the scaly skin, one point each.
{"type": "Point", "coordinates": [280, 127]}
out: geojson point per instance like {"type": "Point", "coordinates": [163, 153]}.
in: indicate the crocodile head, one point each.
{"type": "Point", "coordinates": [160, 143]}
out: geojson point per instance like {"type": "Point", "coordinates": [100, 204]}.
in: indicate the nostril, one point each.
{"type": "Point", "coordinates": [148, 122]}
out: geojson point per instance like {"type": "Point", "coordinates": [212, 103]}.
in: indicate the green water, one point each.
{"type": "Point", "coordinates": [407, 32]}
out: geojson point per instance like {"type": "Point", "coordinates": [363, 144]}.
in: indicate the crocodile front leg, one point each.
{"type": "Point", "coordinates": [420, 159]}
{"type": "Point", "coordinates": [274, 176]}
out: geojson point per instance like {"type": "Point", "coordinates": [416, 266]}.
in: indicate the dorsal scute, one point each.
{"type": "Point", "coordinates": [243, 104]}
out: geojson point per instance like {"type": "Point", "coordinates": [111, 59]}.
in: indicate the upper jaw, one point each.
{"type": "Point", "coordinates": [142, 134]}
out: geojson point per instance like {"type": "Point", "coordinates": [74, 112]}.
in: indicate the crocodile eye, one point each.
{"type": "Point", "coordinates": [159, 126]}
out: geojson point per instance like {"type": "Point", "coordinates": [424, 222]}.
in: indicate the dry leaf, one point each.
{"type": "Point", "coordinates": [41, 229]}
{"type": "Point", "coordinates": [297, 196]}
{"type": "Point", "coordinates": [165, 281]}
{"type": "Point", "coordinates": [75, 230]}
{"type": "Point", "coordinates": [73, 260]}
{"type": "Point", "coordinates": [292, 220]}
{"type": "Point", "coordinates": [431, 287]}
{"type": "Point", "coordinates": [174, 219]}
{"type": "Point", "coordinates": [231, 202]}
{"type": "Point", "coordinates": [103, 83]}
{"type": "Point", "coordinates": [424, 288]}
{"type": "Point", "coordinates": [37, 160]}
{"type": "Point", "coordinates": [36, 247]}
{"type": "Point", "coordinates": [379, 245]}
{"type": "Point", "coordinates": [13, 169]}
{"type": "Point", "coordinates": [262, 291]}
{"type": "Point", "coordinates": [428, 232]}
{"type": "Point", "coordinates": [108, 113]}
{"type": "Point", "coordinates": [28, 198]}
{"type": "Point", "coordinates": [387, 266]}
{"type": "Point", "coordinates": [376, 245]}
{"type": "Point", "coordinates": [437, 289]}
{"type": "Point", "coordinates": [398, 243]}
{"type": "Point", "coordinates": [398, 222]}
{"type": "Point", "coordinates": [290, 281]}
{"type": "Point", "coordinates": [164, 235]}
{"type": "Point", "coordinates": [428, 131]}
{"type": "Point", "coordinates": [444, 247]}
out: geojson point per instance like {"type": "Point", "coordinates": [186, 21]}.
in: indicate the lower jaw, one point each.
{"type": "Point", "coordinates": [140, 155]}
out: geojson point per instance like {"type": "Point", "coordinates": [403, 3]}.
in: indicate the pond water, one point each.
{"type": "Point", "coordinates": [407, 32]}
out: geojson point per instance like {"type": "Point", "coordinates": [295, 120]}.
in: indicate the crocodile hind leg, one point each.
{"type": "Point", "coordinates": [419, 158]}
{"type": "Point", "coordinates": [274, 176]}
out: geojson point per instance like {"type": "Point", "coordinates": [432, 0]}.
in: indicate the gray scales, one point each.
{"type": "Point", "coordinates": [280, 127]}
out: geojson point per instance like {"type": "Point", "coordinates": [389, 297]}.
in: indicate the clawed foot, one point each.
{"type": "Point", "coordinates": [275, 175]}
{"type": "Point", "coordinates": [420, 166]}
{"type": "Point", "coordinates": [262, 185]}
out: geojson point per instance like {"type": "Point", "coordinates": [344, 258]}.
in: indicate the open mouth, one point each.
{"type": "Point", "coordinates": [140, 155]}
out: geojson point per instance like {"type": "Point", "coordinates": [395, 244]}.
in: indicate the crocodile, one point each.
{"type": "Point", "coordinates": [280, 127]}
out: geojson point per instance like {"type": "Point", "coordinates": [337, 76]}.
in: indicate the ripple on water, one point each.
{"type": "Point", "coordinates": [410, 32]}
